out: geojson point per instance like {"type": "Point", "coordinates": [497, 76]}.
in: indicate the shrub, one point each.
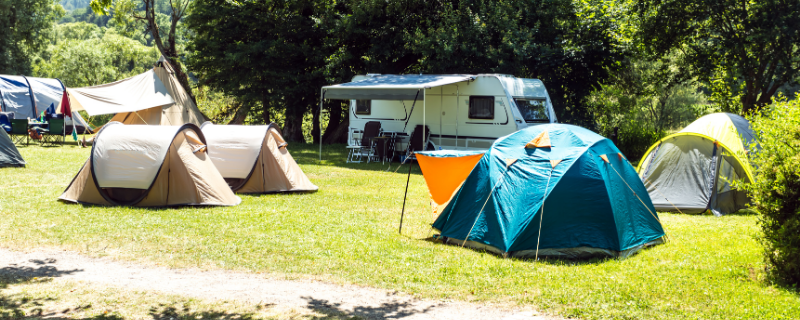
{"type": "Point", "coordinates": [776, 192]}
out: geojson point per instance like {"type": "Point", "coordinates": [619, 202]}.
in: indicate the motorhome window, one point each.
{"type": "Point", "coordinates": [481, 107]}
{"type": "Point", "coordinates": [533, 110]}
{"type": "Point", "coordinates": [363, 106]}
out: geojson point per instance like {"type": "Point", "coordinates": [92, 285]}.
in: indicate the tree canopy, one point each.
{"type": "Point", "coordinates": [26, 25]}
{"type": "Point", "coordinates": [281, 53]}
{"type": "Point", "coordinates": [749, 48]}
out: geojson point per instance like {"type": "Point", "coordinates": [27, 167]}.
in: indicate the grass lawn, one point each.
{"type": "Point", "coordinates": [347, 233]}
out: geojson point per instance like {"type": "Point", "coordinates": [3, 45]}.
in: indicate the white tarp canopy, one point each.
{"type": "Point", "coordinates": [234, 149]}
{"type": "Point", "coordinates": [136, 93]}
{"type": "Point", "coordinates": [390, 87]}
{"type": "Point", "coordinates": [130, 156]}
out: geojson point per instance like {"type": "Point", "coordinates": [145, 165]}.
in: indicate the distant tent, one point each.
{"type": "Point", "coordinates": [691, 171]}
{"type": "Point", "coordinates": [551, 190]}
{"type": "Point", "coordinates": [149, 166]}
{"type": "Point", "coordinates": [254, 159]}
{"type": "Point", "coordinates": [28, 97]}
{"type": "Point", "coordinates": [154, 97]}
{"type": "Point", "coordinates": [9, 155]}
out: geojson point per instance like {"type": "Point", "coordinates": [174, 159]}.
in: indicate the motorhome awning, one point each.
{"type": "Point", "coordinates": [390, 87]}
{"type": "Point", "coordinates": [136, 93]}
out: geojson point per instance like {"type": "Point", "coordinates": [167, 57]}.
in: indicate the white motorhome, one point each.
{"type": "Point", "coordinates": [461, 111]}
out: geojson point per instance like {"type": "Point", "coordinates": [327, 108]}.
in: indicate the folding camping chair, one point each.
{"type": "Point", "coordinates": [19, 131]}
{"type": "Point", "coordinates": [417, 141]}
{"type": "Point", "coordinates": [5, 120]}
{"type": "Point", "coordinates": [367, 146]}
{"type": "Point", "coordinates": [54, 131]}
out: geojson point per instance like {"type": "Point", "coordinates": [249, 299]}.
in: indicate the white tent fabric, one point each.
{"type": "Point", "coordinates": [125, 156]}
{"type": "Point", "coordinates": [390, 87]}
{"type": "Point", "coordinates": [136, 93]}
{"type": "Point", "coordinates": [235, 148]}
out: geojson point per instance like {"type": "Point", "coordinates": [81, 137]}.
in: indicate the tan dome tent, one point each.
{"type": "Point", "coordinates": [154, 97]}
{"type": "Point", "coordinates": [254, 159]}
{"type": "Point", "coordinates": [149, 166]}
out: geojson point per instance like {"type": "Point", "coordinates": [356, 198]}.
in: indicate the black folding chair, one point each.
{"type": "Point", "coordinates": [417, 141]}
{"type": "Point", "coordinates": [55, 133]}
{"type": "Point", "coordinates": [367, 148]}
{"type": "Point", "coordinates": [19, 131]}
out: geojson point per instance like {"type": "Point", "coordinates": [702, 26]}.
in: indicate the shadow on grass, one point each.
{"type": "Point", "coordinates": [391, 310]}
{"type": "Point", "coordinates": [548, 260]}
{"type": "Point", "coordinates": [13, 274]}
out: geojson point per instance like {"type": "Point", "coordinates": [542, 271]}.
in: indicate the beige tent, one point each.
{"type": "Point", "coordinates": [154, 97]}
{"type": "Point", "coordinates": [254, 159]}
{"type": "Point", "coordinates": [149, 166]}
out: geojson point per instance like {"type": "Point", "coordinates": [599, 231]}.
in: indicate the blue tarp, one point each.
{"type": "Point", "coordinates": [588, 202]}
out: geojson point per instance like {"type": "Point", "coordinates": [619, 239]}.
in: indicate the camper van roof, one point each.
{"type": "Point", "coordinates": [390, 86]}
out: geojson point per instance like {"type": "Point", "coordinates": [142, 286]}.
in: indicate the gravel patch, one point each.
{"type": "Point", "coordinates": [363, 302]}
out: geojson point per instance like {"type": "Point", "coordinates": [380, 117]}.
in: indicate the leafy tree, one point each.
{"type": "Point", "coordinates": [70, 5]}
{"type": "Point", "coordinates": [642, 102]}
{"type": "Point", "coordinates": [25, 25]}
{"type": "Point", "coordinates": [89, 55]}
{"type": "Point", "coordinates": [537, 39]}
{"type": "Point", "coordinates": [148, 12]}
{"type": "Point", "coordinates": [776, 192]}
{"type": "Point", "coordinates": [267, 52]}
{"type": "Point", "coordinates": [749, 48]}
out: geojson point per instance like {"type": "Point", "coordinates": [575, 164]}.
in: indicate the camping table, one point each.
{"type": "Point", "coordinates": [385, 146]}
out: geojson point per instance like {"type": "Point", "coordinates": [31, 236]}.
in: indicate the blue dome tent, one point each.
{"type": "Point", "coordinates": [552, 190]}
{"type": "Point", "coordinates": [24, 97]}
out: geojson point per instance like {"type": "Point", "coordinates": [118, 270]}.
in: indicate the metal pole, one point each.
{"type": "Point", "coordinates": [321, 99]}
{"type": "Point", "coordinates": [402, 213]}
{"type": "Point", "coordinates": [457, 97]}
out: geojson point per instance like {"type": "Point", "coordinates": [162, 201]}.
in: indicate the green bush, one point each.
{"type": "Point", "coordinates": [776, 192]}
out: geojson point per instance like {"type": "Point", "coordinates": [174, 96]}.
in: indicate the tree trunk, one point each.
{"type": "Point", "coordinates": [339, 135]}
{"type": "Point", "coordinates": [293, 127]}
{"type": "Point", "coordinates": [241, 114]}
{"type": "Point", "coordinates": [335, 121]}
{"type": "Point", "coordinates": [169, 51]}
{"type": "Point", "coordinates": [265, 105]}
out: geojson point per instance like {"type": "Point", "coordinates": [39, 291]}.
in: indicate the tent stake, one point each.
{"type": "Point", "coordinates": [402, 213]}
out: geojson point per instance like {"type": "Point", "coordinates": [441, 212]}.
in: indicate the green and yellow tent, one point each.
{"type": "Point", "coordinates": [693, 171]}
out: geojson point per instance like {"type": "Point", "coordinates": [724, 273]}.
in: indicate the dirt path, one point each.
{"type": "Point", "coordinates": [364, 302]}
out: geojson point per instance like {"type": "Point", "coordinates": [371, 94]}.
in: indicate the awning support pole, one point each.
{"type": "Point", "coordinates": [321, 99]}
{"type": "Point", "coordinates": [402, 213]}
{"type": "Point", "coordinates": [424, 113]}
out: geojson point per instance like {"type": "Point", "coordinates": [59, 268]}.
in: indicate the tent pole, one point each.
{"type": "Point", "coordinates": [402, 213]}
{"type": "Point", "coordinates": [321, 97]}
